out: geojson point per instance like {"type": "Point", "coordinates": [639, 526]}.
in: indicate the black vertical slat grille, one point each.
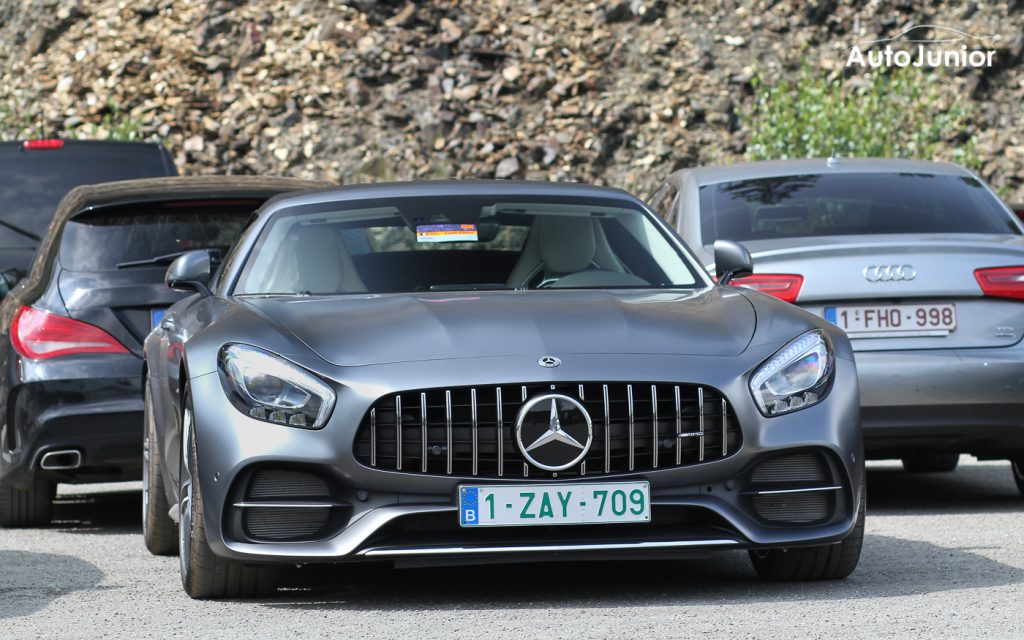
{"type": "Point", "coordinates": [636, 427]}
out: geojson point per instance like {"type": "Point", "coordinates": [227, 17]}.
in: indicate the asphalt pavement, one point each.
{"type": "Point", "coordinates": [943, 558]}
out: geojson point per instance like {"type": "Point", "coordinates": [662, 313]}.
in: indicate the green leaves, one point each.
{"type": "Point", "coordinates": [902, 113]}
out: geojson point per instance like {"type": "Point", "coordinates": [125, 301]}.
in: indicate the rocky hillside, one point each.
{"type": "Point", "coordinates": [615, 92]}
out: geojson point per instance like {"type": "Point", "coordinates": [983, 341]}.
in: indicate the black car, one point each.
{"type": "Point", "coordinates": [36, 174]}
{"type": "Point", "coordinates": [71, 352]}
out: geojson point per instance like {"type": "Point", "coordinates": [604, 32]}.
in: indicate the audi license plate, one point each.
{"type": "Point", "coordinates": [524, 505]}
{"type": "Point", "coordinates": [894, 320]}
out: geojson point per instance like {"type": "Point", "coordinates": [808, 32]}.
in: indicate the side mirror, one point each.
{"type": "Point", "coordinates": [190, 272]}
{"type": "Point", "coordinates": [732, 260]}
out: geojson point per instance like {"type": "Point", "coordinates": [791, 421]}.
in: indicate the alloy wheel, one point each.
{"type": "Point", "coordinates": [185, 494]}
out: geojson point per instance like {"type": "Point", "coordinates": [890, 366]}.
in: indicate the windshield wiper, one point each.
{"type": "Point", "coordinates": [167, 258]}
{"type": "Point", "coordinates": [16, 229]}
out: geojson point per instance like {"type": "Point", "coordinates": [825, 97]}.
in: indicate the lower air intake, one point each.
{"type": "Point", "coordinates": [283, 524]}
{"type": "Point", "coordinates": [286, 505]}
{"type": "Point", "coordinates": [803, 507]}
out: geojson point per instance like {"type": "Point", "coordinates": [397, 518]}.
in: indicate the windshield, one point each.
{"type": "Point", "coordinates": [849, 204]}
{"type": "Point", "coordinates": [140, 236]}
{"type": "Point", "coordinates": [448, 243]}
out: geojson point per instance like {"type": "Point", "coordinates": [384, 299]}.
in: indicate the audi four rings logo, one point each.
{"type": "Point", "coordinates": [889, 273]}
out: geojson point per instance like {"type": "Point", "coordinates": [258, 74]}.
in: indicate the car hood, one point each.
{"type": "Point", "coordinates": [356, 330]}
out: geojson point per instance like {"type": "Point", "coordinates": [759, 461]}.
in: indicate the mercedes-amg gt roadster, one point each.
{"type": "Point", "coordinates": [449, 372]}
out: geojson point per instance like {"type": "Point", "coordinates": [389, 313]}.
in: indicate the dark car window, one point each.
{"type": "Point", "coordinates": [33, 183]}
{"type": "Point", "coordinates": [462, 242]}
{"type": "Point", "coordinates": [849, 204]}
{"type": "Point", "coordinates": [135, 236]}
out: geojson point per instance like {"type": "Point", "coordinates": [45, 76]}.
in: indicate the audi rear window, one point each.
{"type": "Point", "coordinates": [849, 204]}
{"type": "Point", "coordinates": [149, 236]}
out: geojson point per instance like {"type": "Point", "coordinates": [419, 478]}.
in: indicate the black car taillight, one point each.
{"type": "Point", "coordinates": [48, 143]}
{"type": "Point", "coordinates": [38, 334]}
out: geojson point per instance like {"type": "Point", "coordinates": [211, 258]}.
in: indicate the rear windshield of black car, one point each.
{"type": "Point", "coordinates": [849, 204]}
{"type": "Point", "coordinates": [136, 237]}
{"type": "Point", "coordinates": [32, 184]}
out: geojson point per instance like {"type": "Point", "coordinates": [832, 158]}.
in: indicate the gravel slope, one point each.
{"type": "Point", "coordinates": [944, 557]}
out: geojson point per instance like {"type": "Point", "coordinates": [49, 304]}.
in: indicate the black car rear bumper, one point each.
{"type": "Point", "coordinates": [99, 415]}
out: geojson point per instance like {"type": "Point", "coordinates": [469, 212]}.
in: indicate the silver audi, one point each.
{"type": "Point", "coordinates": [919, 263]}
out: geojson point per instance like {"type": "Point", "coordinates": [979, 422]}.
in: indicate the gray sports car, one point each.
{"type": "Point", "coordinates": [450, 372]}
{"type": "Point", "coordinates": [918, 262]}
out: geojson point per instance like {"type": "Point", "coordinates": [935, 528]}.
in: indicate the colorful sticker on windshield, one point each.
{"type": "Point", "coordinates": [446, 233]}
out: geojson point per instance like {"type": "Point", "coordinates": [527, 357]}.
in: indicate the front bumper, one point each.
{"type": "Point", "coordinates": [89, 404]}
{"type": "Point", "coordinates": [962, 400]}
{"type": "Point", "coordinates": [409, 517]}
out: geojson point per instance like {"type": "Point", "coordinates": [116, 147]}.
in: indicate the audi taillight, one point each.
{"type": "Point", "coordinates": [49, 143]}
{"type": "Point", "coordinates": [1002, 282]}
{"type": "Point", "coordinates": [784, 286]}
{"type": "Point", "coordinates": [38, 334]}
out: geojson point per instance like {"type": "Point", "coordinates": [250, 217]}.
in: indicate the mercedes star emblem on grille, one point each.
{"type": "Point", "coordinates": [549, 361]}
{"type": "Point", "coordinates": [889, 273]}
{"type": "Point", "coordinates": [553, 431]}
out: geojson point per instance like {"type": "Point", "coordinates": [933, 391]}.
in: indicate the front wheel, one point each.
{"type": "Point", "coordinates": [1018, 473]}
{"type": "Point", "coordinates": [825, 562]}
{"type": "Point", "coordinates": [203, 574]}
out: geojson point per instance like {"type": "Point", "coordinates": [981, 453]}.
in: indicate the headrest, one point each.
{"type": "Point", "coordinates": [317, 260]}
{"type": "Point", "coordinates": [567, 243]}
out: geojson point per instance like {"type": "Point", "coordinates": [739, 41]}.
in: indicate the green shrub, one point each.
{"type": "Point", "coordinates": [116, 124]}
{"type": "Point", "coordinates": [901, 114]}
{"type": "Point", "coordinates": [14, 120]}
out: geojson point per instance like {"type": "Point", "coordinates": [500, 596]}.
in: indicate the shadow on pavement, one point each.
{"type": "Point", "coordinates": [890, 567]}
{"type": "Point", "coordinates": [30, 581]}
{"type": "Point", "coordinates": [115, 511]}
{"type": "Point", "coordinates": [972, 488]}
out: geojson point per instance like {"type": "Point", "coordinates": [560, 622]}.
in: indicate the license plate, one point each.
{"type": "Point", "coordinates": [894, 320]}
{"type": "Point", "coordinates": [155, 316]}
{"type": "Point", "coordinates": [526, 505]}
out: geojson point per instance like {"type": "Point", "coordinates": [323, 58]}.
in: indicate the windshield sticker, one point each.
{"type": "Point", "coordinates": [446, 233]}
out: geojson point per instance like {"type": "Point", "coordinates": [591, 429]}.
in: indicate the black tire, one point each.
{"type": "Point", "coordinates": [29, 506]}
{"type": "Point", "coordinates": [825, 562]}
{"type": "Point", "coordinates": [159, 532]}
{"type": "Point", "coordinates": [1018, 473]}
{"type": "Point", "coordinates": [203, 574]}
{"type": "Point", "coordinates": [930, 462]}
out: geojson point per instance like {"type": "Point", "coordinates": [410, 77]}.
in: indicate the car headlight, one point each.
{"type": "Point", "coordinates": [796, 377]}
{"type": "Point", "coordinates": [269, 388]}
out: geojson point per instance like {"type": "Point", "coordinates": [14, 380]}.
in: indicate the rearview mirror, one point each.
{"type": "Point", "coordinates": [732, 260]}
{"type": "Point", "coordinates": [190, 272]}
